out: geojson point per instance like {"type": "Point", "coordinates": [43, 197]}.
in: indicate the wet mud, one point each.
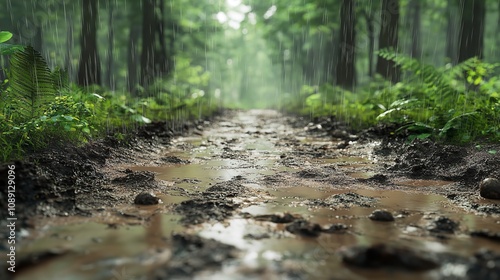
{"type": "Point", "coordinates": [258, 195]}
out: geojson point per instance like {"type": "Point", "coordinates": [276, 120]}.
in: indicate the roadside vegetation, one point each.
{"type": "Point", "coordinates": [39, 107]}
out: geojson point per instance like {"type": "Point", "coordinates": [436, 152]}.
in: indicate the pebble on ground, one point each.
{"type": "Point", "coordinates": [490, 188]}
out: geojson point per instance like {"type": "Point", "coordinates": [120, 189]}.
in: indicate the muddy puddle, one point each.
{"type": "Point", "coordinates": [265, 223]}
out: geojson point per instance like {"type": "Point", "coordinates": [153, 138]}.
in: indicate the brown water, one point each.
{"type": "Point", "coordinates": [121, 243]}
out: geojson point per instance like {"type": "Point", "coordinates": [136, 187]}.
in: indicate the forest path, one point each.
{"type": "Point", "coordinates": [253, 197]}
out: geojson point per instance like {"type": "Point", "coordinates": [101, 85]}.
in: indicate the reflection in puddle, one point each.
{"type": "Point", "coordinates": [424, 183]}
{"type": "Point", "coordinates": [97, 251]}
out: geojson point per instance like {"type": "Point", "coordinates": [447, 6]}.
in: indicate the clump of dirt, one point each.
{"type": "Point", "coordinates": [443, 225]}
{"type": "Point", "coordinates": [484, 265]}
{"type": "Point", "coordinates": [281, 218]}
{"type": "Point", "coordinates": [225, 189]}
{"type": "Point", "coordinates": [304, 228]}
{"type": "Point", "coordinates": [173, 160]}
{"type": "Point", "coordinates": [214, 203]}
{"type": "Point", "coordinates": [343, 200]}
{"type": "Point", "coordinates": [137, 179]}
{"type": "Point", "coordinates": [494, 236]}
{"type": "Point", "coordinates": [384, 255]}
{"type": "Point", "coordinates": [426, 159]}
{"type": "Point", "coordinates": [464, 200]}
{"type": "Point", "coordinates": [192, 254]}
{"type": "Point", "coordinates": [197, 211]}
{"type": "Point", "coordinates": [313, 173]}
{"type": "Point", "coordinates": [30, 190]}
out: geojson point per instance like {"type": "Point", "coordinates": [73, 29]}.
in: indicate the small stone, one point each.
{"type": "Point", "coordinates": [336, 228]}
{"type": "Point", "coordinates": [304, 228]}
{"type": "Point", "coordinates": [443, 225]}
{"type": "Point", "coordinates": [381, 215]}
{"type": "Point", "coordinates": [146, 198]}
{"type": "Point", "coordinates": [490, 188]}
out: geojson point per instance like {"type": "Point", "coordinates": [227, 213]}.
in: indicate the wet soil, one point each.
{"type": "Point", "coordinates": [257, 195]}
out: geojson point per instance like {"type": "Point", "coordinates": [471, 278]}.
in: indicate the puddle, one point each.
{"type": "Point", "coordinates": [362, 175]}
{"type": "Point", "coordinates": [424, 183]}
{"type": "Point", "coordinates": [344, 160]}
{"type": "Point", "coordinates": [413, 212]}
{"type": "Point", "coordinates": [90, 250]}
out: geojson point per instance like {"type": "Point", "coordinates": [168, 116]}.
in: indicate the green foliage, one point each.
{"type": "Point", "coordinates": [457, 104]}
{"type": "Point", "coordinates": [32, 84]}
{"type": "Point", "coordinates": [6, 49]}
{"type": "Point", "coordinates": [454, 104]}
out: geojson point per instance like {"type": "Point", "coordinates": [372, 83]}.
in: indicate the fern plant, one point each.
{"type": "Point", "coordinates": [32, 84]}
{"type": "Point", "coordinates": [456, 103]}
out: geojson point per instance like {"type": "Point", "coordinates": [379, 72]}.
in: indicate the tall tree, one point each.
{"type": "Point", "coordinates": [451, 51]}
{"type": "Point", "coordinates": [154, 59]}
{"type": "Point", "coordinates": [472, 18]}
{"type": "Point", "coordinates": [110, 80]}
{"type": "Point", "coordinates": [346, 70]}
{"type": "Point", "coordinates": [388, 38]}
{"type": "Point", "coordinates": [370, 28]}
{"type": "Point", "coordinates": [416, 48]}
{"type": "Point", "coordinates": [89, 69]}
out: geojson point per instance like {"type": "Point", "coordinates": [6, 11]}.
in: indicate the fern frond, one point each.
{"type": "Point", "coordinates": [32, 84]}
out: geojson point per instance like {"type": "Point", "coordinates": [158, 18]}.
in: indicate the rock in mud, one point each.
{"type": "Point", "coordinates": [381, 215]}
{"type": "Point", "coordinates": [304, 228]}
{"type": "Point", "coordinates": [336, 228]}
{"type": "Point", "coordinates": [281, 218]}
{"type": "Point", "coordinates": [486, 234]}
{"type": "Point", "coordinates": [192, 254]}
{"type": "Point", "coordinates": [146, 198]}
{"type": "Point", "coordinates": [384, 255]}
{"type": "Point", "coordinates": [443, 225]}
{"type": "Point", "coordinates": [490, 188]}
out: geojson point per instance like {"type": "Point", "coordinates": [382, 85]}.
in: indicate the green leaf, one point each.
{"type": "Point", "coordinates": [5, 36]}
{"type": "Point", "coordinates": [423, 136]}
{"type": "Point", "coordinates": [493, 152]}
{"type": "Point", "coordinates": [140, 118]}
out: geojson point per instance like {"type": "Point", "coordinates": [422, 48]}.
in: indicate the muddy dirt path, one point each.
{"type": "Point", "coordinates": [253, 197]}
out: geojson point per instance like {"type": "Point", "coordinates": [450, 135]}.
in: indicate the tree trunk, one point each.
{"type": "Point", "coordinates": [110, 81]}
{"type": "Point", "coordinates": [452, 31]}
{"type": "Point", "coordinates": [132, 56]}
{"type": "Point", "coordinates": [164, 61]}
{"type": "Point", "coordinates": [89, 70]}
{"type": "Point", "coordinates": [346, 67]}
{"type": "Point", "coordinates": [371, 39]}
{"type": "Point", "coordinates": [148, 44]}
{"type": "Point", "coordinates": [471, 29]}
{"type": "Point", "coordinates": [497, 53]}
{"type": "Point", "coordinates": [154, 59]}
{"type": "Point", "coordinates": [416, 48]}
{"type": "Point", "coordinates": [68, 56]}
{"type": "Point", "coordinates": [388, 38]}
